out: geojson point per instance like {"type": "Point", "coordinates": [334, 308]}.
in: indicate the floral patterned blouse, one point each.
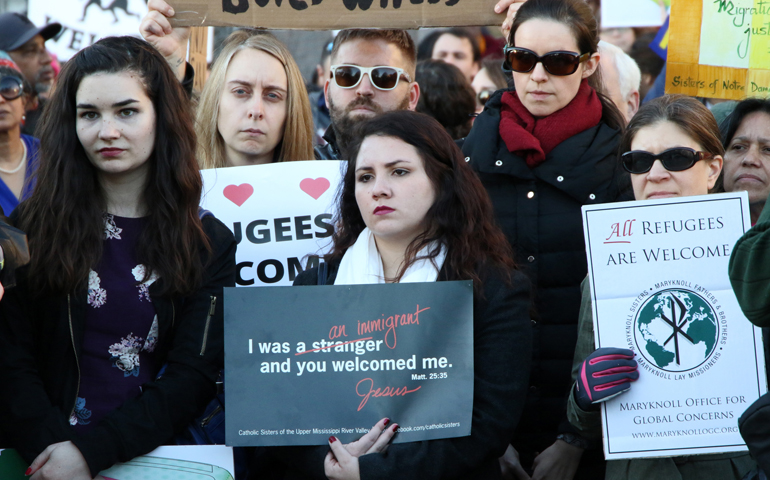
{"type": "Point", "coordinates": [121, 327]}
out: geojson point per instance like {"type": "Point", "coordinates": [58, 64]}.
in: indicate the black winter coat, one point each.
{"type": "Point", "coordinates": [538, 209]}
{"type": "Point", "coordinates": [502, 340]}
{"type": "Point", "coordinates": [41, 338]}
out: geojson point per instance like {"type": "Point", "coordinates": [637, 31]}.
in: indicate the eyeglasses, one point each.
{"type": "Point", "coordinates": [673, 159]}
{"type": "Point", "coordinates": [558, 63]}
{"type": "Point", "coordinates": [483, 96]}
{"type": "Point", "coordinates": [383, 78]}
{"type": "Point", "coordinates": [11, 87]}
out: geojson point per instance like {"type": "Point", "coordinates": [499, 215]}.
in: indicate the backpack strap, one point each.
{"type": "Point", "coordinates": [204, 213]}
{"type": "Point", "coordinates": [323, 273]}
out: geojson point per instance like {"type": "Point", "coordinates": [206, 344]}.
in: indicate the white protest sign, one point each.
{"type": "Point", "coordinates": [633, 13]}
{"type": "Point", "coordinates": [279, 214]}
{"type": "Point", "coordinates": [86, 21]}
{"type": "Point", "coordinates": [659, 285]}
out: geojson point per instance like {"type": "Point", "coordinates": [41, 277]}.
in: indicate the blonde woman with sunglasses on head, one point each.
{"type": "Point", "coordinates": [672, 148]}
{"type": "Point", "coordinates": [543, 149]}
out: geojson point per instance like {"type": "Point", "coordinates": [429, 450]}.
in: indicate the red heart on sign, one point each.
{"type": "Point", "coordinates": [238, 194]}
{"type": "Point", "coordinates": [314, 188]}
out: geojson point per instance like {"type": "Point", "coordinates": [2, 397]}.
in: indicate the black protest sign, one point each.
{"type": "Point", "coordinates": [304, 363]}
{"type": "Point", "coordinates": [335, 14]}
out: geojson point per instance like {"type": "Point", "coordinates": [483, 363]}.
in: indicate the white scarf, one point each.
{"type": "Point", "coordinates": [362, 264]}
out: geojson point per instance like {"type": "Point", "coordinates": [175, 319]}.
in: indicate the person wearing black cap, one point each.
{"type": "Point", "coordinates": [25, 43]}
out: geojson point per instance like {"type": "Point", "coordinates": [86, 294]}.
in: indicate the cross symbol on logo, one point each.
{"type": "Point", "coordinates": [676, 324]}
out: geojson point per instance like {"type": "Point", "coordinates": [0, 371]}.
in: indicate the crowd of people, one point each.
{"type": "Point", "coordinates": [482, 154]}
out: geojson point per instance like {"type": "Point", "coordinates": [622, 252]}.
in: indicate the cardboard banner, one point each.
{"type": "Point", "coordinates": [304, 363]}
{"type": "Point", "coordinates": [335, 14]}
{"type": "Point", "coordinates": [86, 21]}
{"type": "Point", "coordinates": [659, 285]}
{"type": "Point", "coordinates": [633, 13]}
{"type": "Point", "coordinates": [719, 49]}
{"type": "Point", "coordinates": [280, 213]}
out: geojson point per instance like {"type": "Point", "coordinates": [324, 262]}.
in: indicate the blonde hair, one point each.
{"type": "Point", "coordinates": [297, 141]}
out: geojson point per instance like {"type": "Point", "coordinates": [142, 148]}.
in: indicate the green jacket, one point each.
{"type": "Point", "coordinates": [724, 466]}
{"type": "Point", "coordinates": [750, 271]}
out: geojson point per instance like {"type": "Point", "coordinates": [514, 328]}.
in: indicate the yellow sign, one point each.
{"type": "Point", "coordinates": [719, 48]}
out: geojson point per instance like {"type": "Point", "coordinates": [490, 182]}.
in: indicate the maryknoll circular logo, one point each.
{"type": "Point", "coordinates": [676, 330]}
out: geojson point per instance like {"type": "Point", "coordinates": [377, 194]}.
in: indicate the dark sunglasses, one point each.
{"type": "Point", "coordinates": [11, 87]}
{"type": "Point", "coordinates": [559, 63]}
{"type": "Point", "coordinates": [383, 78]}
{"type": "Point", "coordinates": [673, 159]}
{"type": "Point", "coordinates": [483, 96]}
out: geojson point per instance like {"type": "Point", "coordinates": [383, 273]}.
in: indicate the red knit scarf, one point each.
{"type": "Point", "coordinates": [534, 138]}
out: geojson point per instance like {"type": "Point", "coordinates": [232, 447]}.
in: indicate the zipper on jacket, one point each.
{"type": "Point", "coordinates": [206, 420]}
{"type": "Point", "coordinates": [208, 322]}
{"type": "Point", "coordinates": [75, 351]}
{"type": "Point", "coordinates": [173, 313]}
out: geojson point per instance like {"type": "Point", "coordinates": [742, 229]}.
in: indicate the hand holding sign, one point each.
{"type": "Point", "coordinates": [513, 6]}
{"type": "Point", "coordinates": [170, 42]}
{"type": "Point", "coordinates": [342, 461]}
{"type": "Point", "coordinates": [605, 374]}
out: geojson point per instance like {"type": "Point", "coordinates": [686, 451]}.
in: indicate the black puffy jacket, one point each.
{"type": "Point", "coordinates": [538, 209]}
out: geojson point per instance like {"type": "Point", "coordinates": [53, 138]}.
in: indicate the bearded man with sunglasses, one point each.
{"type": "Point", "coordinates": [372, 71]}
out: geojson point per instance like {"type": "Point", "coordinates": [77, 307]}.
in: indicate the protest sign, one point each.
{"type": "Point", "coordinates": [279, 214]}
{"type": "Point", "coordinates": [719, 48]}
{"type": "Point", "coordinates": [659, 286]}
{"type": "Point", "coordinates": [86, 21]}
{"type": "Point", "coordinates": [633, 13]}
{"type": "Point", "coordinates": [335, 14]}
{"type": "Point", "coordinates": [304, 363]}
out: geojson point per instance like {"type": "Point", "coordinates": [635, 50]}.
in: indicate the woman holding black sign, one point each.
{"type": "Point", "coordinates": [125, 276]}
{"type": "Point", "coordinates": [672, 148]}
{"type": "Point", "coordinates": [411, 210]}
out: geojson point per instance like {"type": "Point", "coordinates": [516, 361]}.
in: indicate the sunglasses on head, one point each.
{"type": "Point", "coordinates": [673, 159]}
{"type": "Point", "coordinates": [11, 87]}
{"type": "Point", "coordinates": [560, 63]}
{"type": "Point", "coordinates": [383, 78]}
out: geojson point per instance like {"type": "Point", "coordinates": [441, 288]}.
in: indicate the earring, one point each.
{"type": "Point", "coordinates": [23, 118]}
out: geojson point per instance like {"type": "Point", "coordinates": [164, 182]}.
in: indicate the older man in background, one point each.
{"type": "Point", "coordinates": [25, 43]}
{"type": "Point", "coordinates": [621, 77]}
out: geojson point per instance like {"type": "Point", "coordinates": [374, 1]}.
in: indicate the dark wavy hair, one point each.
{"type": "Point", "coordinates": [461, 217]}
{"type": "Point", "coordinates": [446, 96]}
{"type": "Point", "coordinates": [744, 108]}
{"type": "Point", "coordinates": [64, 216]}
{"type": "Point", "coordinates": [579, 17]}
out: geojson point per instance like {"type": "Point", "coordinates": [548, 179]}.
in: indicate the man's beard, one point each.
{"type": "Point", "coordinates": [344, 123]}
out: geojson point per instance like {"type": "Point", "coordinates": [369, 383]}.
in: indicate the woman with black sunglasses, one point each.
{"type": "Point", "coordinates": [543, 149]}
{"type": "Point", "coordinates": [18, 152]}
{"type": "Point", "coordinates": [672, 148]}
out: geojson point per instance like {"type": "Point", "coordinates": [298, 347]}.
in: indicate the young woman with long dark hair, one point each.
{"type": "Point", "coordinates": [411, 210]}
{"type": "Point", "coordinates": [125, 275]}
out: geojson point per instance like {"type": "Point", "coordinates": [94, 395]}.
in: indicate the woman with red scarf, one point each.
{"type": "Point", "coordinates": [544, 149]}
